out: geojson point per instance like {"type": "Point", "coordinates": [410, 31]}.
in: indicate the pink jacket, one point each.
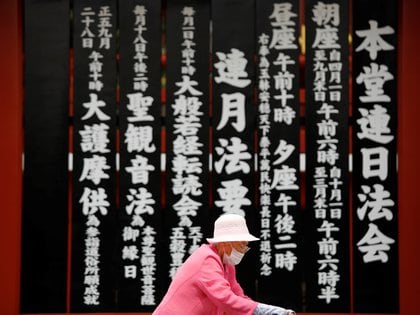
{"type": "Point", "coordinates": [204, 285]}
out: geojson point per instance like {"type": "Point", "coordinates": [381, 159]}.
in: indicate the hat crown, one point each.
{"type": "Point", "coordinates": [230, 224]}
{"type": "Point", "coordinates": [231, 227]}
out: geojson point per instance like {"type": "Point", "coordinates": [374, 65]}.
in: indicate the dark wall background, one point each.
{"type": "Point", "coordinates": [11, 132]}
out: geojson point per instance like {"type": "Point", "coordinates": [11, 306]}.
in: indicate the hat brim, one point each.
{"type": "Point", "coordinates": [233, 238]}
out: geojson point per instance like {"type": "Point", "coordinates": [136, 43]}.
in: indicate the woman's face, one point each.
{"type": "Point", "coordinates": [241, 247]}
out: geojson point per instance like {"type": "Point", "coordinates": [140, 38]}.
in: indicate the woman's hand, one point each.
{"type": "Point", "coordinates": [265, 309]}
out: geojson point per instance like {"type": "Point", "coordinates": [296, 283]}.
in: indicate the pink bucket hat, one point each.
{"type": "Point", "coordinates": [231, 228]}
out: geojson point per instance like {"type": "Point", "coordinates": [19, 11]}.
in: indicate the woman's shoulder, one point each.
{"type": "Point", "coordinates": [205, 255]}
{"type": "Point", "coordinates": [205, 250]}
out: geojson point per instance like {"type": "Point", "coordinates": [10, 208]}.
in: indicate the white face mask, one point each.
{"type": "Point", "coordinates": [234, 258]}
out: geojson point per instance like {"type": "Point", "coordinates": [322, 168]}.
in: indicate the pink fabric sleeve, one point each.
{"type": "Point", "coordinates": [212, 282]}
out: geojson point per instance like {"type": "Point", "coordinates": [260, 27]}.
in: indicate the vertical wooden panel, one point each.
{"type": "Point", "coordinates": [94, 176]}
{"type": "Point", "coordinates": [187, 126]}
{"type": "Point", "coordinates": [327, 178]}
{"type": "Point", "coordinates": [280, 257]}
{"type": "Point", "coordinates": [375, 203]}
{"type": "Point", "coordinates": [44, 218]}
{"type": "Point", "coordinates": [234, 118]}
{"type": "Point", "coordinates": [140, 212]}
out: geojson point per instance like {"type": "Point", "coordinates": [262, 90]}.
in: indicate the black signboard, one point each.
{"type": "Point", "coordinates": [234, 117]}
{"type": "Point", "coordinates": [187, 129]}
{"type": "Point", "coordinates": [375, 216]}
{"type": "Point", "coordinates": [94, 216]}
{"type": "Point", "coordinates": [326, 214]}
{"type": "Point", "coordinates": [280, 257]}
{"type": "Point", "coordinates": [45, 178]}
{"type": "Point", "coordinates": [139, 234]}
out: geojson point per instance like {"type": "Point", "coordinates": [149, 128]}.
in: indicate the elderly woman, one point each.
{"type": "Point", "coordinates": [206, 283]}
